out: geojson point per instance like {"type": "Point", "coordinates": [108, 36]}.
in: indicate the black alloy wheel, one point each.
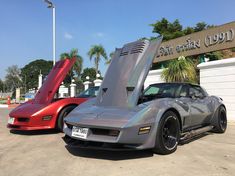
{"type": "Point", "coordinates": [223, 120]}
{"type": "Point", "coordinates": [63, 113]}
{"type": "Point", "coordinates": [168, 134]}
{"type": "Point", "coordinates": [220, 120]}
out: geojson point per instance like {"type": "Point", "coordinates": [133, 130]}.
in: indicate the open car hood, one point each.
{"type": "Point", "coordinates": [54, 79]}
{"type": "Point", "coordinates": [126, 74]}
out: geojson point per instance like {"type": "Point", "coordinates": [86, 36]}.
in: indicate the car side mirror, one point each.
{"type": "Point", "coordinates": [201, 96]}
{"type": "Point", "coordinates": [192, 95]}
{"type": "Point", "coordinates": [196, 96]}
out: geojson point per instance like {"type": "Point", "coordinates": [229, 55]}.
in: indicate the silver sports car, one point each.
{"type": "Point", "coordinates": [123, 116]}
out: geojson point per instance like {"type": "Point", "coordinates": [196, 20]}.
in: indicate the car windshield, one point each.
{"type": "Point", "coordinates": [90, 92]}
{"type": "Point", "coordinates": [162, 90]}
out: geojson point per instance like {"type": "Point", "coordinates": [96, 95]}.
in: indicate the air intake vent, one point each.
{"type": "Point", "coordinates": [133, 48]}
{"type": "Point", "coordinates": [124, 53]}
{"type": "Point", "coordinates": [138, 48]}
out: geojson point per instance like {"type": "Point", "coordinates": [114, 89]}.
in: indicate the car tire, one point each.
{"type": "Point", "coordinates": [63, 113]}
{"type": "Point", "coordinates": [220, 124]}
{"type": "Point", "coordinates": [168, 134]}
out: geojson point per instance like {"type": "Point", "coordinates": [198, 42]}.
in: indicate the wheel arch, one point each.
{"type": "Point", "coordinates": [155, 145]}
{"type": "Point", "coordinates": [61, 109]}
{"type": "Point", "coordinates": [222, 105]}
{"type": "Point", "coordinates": [215, 115]}
{"type": "Point", "coordinates": [177, 114]}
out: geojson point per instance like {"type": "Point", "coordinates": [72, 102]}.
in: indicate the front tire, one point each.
{"type": "Point", "coordinates": [220, 121]}
{"type": "Point", "coordinates": [168, 134]}
{"type": "Point", "coordinates": [63, 113]}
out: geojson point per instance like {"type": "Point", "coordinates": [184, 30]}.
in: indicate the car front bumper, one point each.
{"type": "Point", "coordinates": [127, 139]}
{"type": "Point", "coordinates": [98, 145]}
{"type": "Point", "coordinates": [29, 123]}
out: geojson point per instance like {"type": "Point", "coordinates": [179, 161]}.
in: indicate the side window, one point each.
{"type": "Point", "coordinates": [183, 91]}
{"type": "Point", "coordinates": [173, 90]}
{"type": "Point", "coordinates": [197, 91]}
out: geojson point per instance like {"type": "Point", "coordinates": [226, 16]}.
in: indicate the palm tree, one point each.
{"type": "Point", "coordinates": [179, 70]}
{"type": "Point", "coordinates": [96, 52]}
{"type": "Point", "coordinates": [77, 67]}
{"type": "Point", "coordinates": [110, 58]}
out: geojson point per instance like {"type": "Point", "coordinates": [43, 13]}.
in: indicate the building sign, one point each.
{"type": "Point", "coordinates": [213, 39]}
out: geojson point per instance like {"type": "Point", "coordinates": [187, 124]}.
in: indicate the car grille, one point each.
{"type": "Point", "coordinates": [98, 131]}
{"type": "Point", "coordinates": [105, 132]}
{"type": "Point", "coordinates": [23, 119]}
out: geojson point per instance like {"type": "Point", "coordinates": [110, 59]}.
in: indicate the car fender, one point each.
{"type": "Point", "coordinates": [157, 109]}
{"type": "Point", "coordinates": [55, 108]}
{"type": "Point", "coordinates": [217, 102]}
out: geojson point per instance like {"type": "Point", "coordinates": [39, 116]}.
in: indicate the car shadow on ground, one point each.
{"type": "Point", "coordinates": [35, 132]}
{"type": "Point", "coordinates": [123, 155]}
{"type": "Point", "coordinates": [109, 155]}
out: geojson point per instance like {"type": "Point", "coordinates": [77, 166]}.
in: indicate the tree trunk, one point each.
{"type": "Point", "coordinates": [96, 65]}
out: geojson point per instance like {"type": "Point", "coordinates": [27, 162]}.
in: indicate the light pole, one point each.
{"type": "Point", "coordinates": [52, 6]}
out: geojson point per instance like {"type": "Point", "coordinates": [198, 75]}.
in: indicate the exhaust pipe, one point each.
{"type": "Point", "coordinates": [196, 132]}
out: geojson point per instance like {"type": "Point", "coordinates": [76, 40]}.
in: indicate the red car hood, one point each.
{"type": "Point", "coordinates": [46, 93]}
{"type": "Point", "coordinates": [54, 79]}
{"type": "Point", "coordinates": [26, 110]}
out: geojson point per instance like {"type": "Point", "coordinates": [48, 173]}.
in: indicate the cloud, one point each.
{"type": "Point", "coordinates": [98, 35]}
{"type": "Point", "coordinates": [68, 36]}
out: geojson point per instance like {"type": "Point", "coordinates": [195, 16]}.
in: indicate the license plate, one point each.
{"type": "Point", "coordinates": [80, 132]}
{"type": "Point", "coordinates": [11, 120]}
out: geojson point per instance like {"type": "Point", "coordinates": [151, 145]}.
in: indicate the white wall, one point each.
{"type": "Point", "coordinates": [153, 77]}
{"type": "Point", "coordinates": [218, 78]}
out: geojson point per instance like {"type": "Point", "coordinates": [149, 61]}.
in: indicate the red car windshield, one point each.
{"type": "Point", "coordinates": [90, 92]}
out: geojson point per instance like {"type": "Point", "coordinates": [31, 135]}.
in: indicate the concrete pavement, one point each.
{"type": "Point", "coordinates": [43, 153]}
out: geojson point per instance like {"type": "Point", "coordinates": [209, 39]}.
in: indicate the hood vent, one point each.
{"type": "Point", "coordinates": [124, 53]}
{"type": "Point", "coordinates": [133, 49]}
{"type": "Point", "coordinates": [138, 48]}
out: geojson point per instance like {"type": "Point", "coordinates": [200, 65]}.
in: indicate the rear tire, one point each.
{"type": "Point", "coordinates": [168, 134]}
{"type": "Point", "coordinates": [220, 125]}
{"type": "Point", "coordinates": [63, 113]}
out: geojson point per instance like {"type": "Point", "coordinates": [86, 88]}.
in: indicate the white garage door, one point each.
{"type": "Point", "coordinates": [218, 78]}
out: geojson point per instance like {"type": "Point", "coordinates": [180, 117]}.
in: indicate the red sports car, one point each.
{"type": "Point", "coordinates": [45, 111]}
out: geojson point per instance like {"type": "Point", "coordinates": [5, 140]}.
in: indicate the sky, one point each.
{"type": "Point", "coordinates": [26, 25]}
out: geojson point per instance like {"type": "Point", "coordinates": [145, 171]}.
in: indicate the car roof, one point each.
{"type": "Point", "coordinates": [175, 83]}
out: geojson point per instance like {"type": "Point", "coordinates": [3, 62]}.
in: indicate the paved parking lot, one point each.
{"type": "Point", "coordinates": [44, 153]}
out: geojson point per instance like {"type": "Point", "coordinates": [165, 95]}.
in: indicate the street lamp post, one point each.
{"type": "Point", "coordinates": [52, 6]}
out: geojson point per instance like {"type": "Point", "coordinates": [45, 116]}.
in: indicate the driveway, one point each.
{"type": "Point", "coordinates": [44, 153]}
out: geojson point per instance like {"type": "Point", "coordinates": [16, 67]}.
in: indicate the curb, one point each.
{"type": "Point", "coordinates": [3, 106]}
{"type": "Point", "coordinates": [9, 106]}
{"type": "Point", "coordinates": [13, 105]}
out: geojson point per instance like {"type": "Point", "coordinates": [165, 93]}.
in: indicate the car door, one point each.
{"type": "Point", "coordinates": [184, 101]}
{"type": "Point", "coordinates": [199, 106]}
